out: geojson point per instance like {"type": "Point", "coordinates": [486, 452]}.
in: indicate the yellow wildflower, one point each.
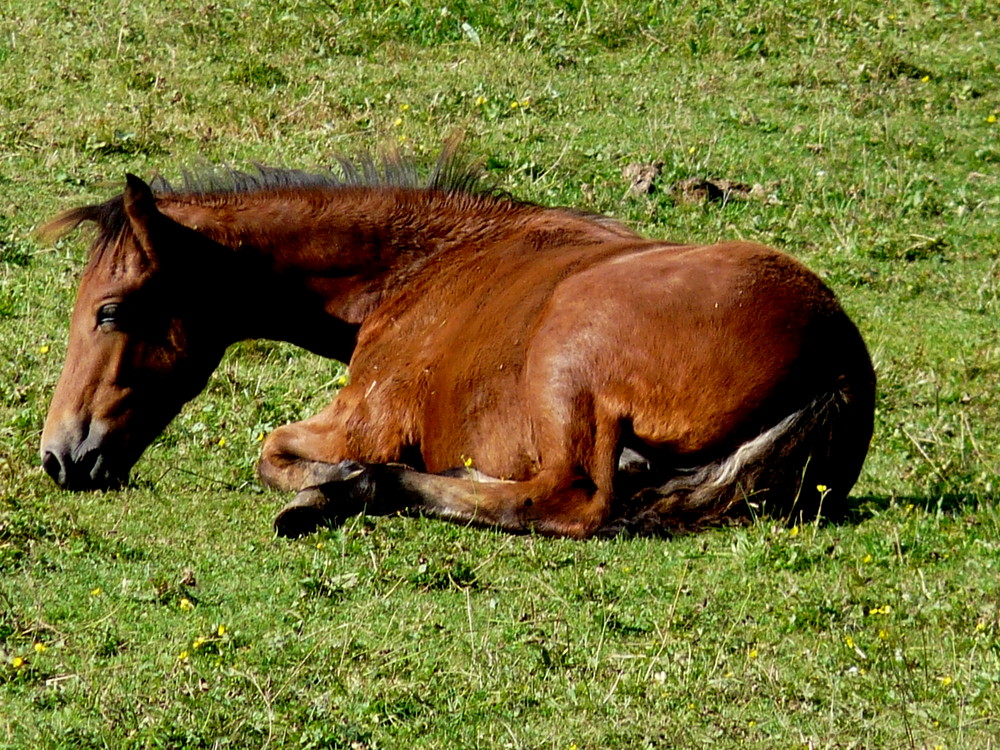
{"type": "Point", "coordinates": [17, 662]}
{"type": "Point", "coordinates": [185, 604]}
{"type": "Point", "coordinates": [945, 681]}
{"type": "Point", "coordinates": [794, 531]}
{"type": "Point", "coordinates": [183, 655]}
{"type": "Point", "coordinates": [96, 591]}
{"type": "Point", "coordinates": [480, 101]}
{"type": "Point", "coordinates": [40, 648]}
{"type": "Point", "coordinates": [221, 630]}
{"type": "Point", "coordinates": [866, 559]}
{"type": "Point", "coordinates": [43, 349]}
{"type": "Point", "coordinates": [222, 442]}
{"type": "Point", "coordinates": [925, 79]}
{"type": "Point", "coordinates": [752, 654]}
{"type": "Point", "coordinates": [991, 119]}
{"type": "Point", "coordinates": [849, 641]}
{"type": "Point", "coordinates": [821, 488]}
{"type": "Point", "coordinates": [198, 643]}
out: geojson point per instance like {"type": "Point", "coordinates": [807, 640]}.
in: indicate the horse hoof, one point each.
{"type": "Point", "coordinates": [343, 471]}
{"type": "Point", "coordinates": [303, 515]}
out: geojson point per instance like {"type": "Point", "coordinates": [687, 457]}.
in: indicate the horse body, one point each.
{"type": "Point", "coordinates": [510, 365]}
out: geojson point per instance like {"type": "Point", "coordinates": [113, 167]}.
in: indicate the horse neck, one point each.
{"type": "Point", "coordinates": [323, 260]}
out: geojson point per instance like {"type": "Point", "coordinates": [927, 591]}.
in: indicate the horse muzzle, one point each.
{"type": "Point", "coordinates": [81, 464]}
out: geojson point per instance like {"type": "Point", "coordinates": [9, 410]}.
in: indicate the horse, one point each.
{"type": "Point", "coordinates": [528, 368]}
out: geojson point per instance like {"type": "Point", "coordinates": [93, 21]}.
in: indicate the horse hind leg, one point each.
{"type": "Point", "coordinates": [801, 467]}
{"type": "Point", "coordinates": [351, 488]}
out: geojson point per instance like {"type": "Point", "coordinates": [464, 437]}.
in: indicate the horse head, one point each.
{"type": "Point", "coordinates": [141, 339]}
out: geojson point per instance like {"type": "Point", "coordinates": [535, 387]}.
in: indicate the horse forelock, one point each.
{"type": "Point", "coordinates": [109, 219]}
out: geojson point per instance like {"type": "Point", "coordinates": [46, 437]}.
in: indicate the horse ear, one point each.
{"type": "Point", "coordinates": [140, 207]}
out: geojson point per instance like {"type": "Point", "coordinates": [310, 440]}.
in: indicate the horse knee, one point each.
{"type": "Point", "coordinates": [275, 460]}
{"type": "Point", "coordinates": [294, 457]}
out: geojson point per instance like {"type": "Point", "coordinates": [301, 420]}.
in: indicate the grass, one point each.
{"type": "Point", "coordinates": [166, 615]}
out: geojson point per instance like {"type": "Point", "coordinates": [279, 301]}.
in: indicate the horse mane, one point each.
{"type": "Point", "coordinates": [453, 174]}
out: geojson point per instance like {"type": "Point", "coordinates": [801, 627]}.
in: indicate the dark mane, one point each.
{"type": "Point", "coordinates": [453, 174]}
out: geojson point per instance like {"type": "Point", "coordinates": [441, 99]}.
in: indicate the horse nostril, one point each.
{"type": "Point", "coordinates": [54, 467]}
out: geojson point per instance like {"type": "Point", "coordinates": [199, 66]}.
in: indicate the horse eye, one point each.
{"type": "Point", "coordinates": [107, 316]}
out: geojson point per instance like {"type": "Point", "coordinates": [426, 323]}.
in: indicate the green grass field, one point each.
{"type": "Point", "coordinates": [167, 615]}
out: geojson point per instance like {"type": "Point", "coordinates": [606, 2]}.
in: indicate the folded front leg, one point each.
{"type": "Point", "coordinates": [352, 427]}
{"type": "Point", "coordinates": [551, 504]}
{"type": "Point", "coordinates": [301, 455]}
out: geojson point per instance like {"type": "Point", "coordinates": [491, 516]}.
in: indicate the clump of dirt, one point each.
{"type": "Point", "coordinates": [721, 190]}
{"type": "Point", "coordinates": [643, 179]}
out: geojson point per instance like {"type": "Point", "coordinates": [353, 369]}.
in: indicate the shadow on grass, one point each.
{"type": "Point", "coordinates": [865, 507]}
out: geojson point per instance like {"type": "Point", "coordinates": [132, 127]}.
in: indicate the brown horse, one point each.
{"type": "Point", "coordinates": [514, 366]}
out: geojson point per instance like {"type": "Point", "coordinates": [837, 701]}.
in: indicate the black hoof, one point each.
{"type": "Point", "coordinates": [303, 515]}
{"type": "Point", "coordinates": [351, 491]}
{"type": "Point", "coordinates": [344, 471]}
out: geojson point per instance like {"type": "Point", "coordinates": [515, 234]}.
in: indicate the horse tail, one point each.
{"type": "Point", "coordinates": [802, 467]}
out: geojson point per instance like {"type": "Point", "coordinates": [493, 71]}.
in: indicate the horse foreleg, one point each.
{"type": "Point", "coordinates": [547, 504]}
{"type": "Point", "coordinates": [303, 454]}
{"type": "Point", "coordinates": [553, 503]}
{"type": "Point", "coordinates": [570, 495]}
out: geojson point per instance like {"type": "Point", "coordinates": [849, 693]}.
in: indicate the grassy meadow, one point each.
{"type": "Point", "coordinates": [861, 137]}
